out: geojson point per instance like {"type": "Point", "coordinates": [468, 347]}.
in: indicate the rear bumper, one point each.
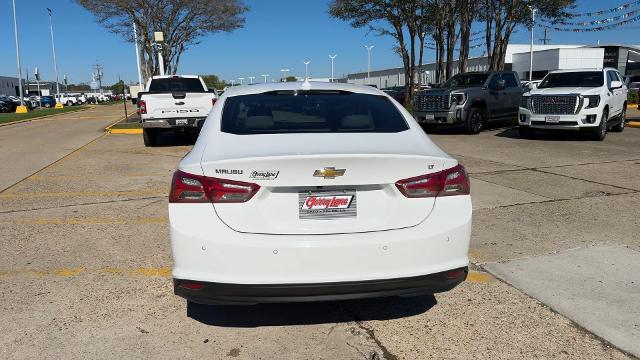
{"type": "Point", "coordinates": [172, 123]}
{"type": "Point", "coordinates": [218, 293]}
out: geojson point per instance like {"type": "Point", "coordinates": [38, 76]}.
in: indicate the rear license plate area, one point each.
{"type": "Point", "coordinates": [327, 204]}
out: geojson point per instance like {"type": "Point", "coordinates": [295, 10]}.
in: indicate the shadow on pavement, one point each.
{"type": "Point", "coordinates": [548, 135]}
{"type": "Point", "coordinates": [166, 139]}
{"type": "Point", "coordinates": [311, 312]}
{"type": "Point", "coordinates": [460, 129]}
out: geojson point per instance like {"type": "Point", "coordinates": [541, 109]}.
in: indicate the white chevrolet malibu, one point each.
{"type": "Point", "coordinates": [316, 191]}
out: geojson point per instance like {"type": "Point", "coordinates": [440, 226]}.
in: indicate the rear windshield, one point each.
{"type": "Point", "coordinates": [573, 79]}
{"type": "Point", "coordinates": [310, 111]}
{"type": "Point", "coordinates": [177, 84]}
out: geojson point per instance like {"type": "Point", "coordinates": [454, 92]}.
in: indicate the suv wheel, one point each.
{"type": "Point", "coordinates": [149, 137]}
{"type": "Point", "coordinates": [475, 121]}
{"type": "Point", "coordinates": [600, 132]}
{"type": "Point", "coordinates": [619, 127]}
{"type": "Point", "coordinates": [526, 132]}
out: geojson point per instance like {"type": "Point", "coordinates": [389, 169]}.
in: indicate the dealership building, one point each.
{"type": "Point", "coordinates": [625, 58]}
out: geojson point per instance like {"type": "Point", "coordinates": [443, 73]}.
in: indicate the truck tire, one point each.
{"type": "Point", "coordinates": [526, 132]}
{"type": "Point", "coordinates": [619, 127]}
{"type": "Point", "coordinates": [475, 121]}
{"type": "Point", "coordinates": [600, 132]}
{"type": "Point", "coordinates": [149, 137]}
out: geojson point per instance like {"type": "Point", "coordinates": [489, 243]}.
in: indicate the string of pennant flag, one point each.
{"type": "Point", "coordinates": [630, 19]}
{"type": "Point", "coordinates": [607, 11]}
{"type": "Point", "coordinates": [596, 22]}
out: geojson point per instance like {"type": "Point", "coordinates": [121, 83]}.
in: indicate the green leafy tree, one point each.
{"type": "Point", "coordinates": [213, 82]}
{"type": "Point", "coordinates": [502, 17]}
{"type": "Point", "coordinates": [290, 79]}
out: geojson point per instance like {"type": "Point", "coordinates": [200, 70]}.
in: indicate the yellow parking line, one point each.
{"type": "Point", "coordinates": [125, 131]}
{"type": "Point", "coordinates": [478, 277]}
{"type": "Point", "coordinates": [153, 192]}
{"type": "Point", "coordinates": [93, 221]}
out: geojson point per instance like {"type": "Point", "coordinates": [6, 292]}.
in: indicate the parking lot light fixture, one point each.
{"type": "Point", "coordinates": [369, 62]}
{"type": "Point", "coordinates": [55, 64]}
{"type": "Point", "coordinates": [533, 25]}
{"type": "Point", "coordinates": [284, 74]}
{"type": "Point", "coordinates": [22, 108]}
{"type": "Point", "coordinates": [240, 80]}
{"type": "Point", "coordinates": [306, 69]}
{"type": "Point", "coordinates": [251, 79]}
{"type": "Point", "coordinates": [332, 57]}
{"type": "Point", "coordinates": [265, 76]}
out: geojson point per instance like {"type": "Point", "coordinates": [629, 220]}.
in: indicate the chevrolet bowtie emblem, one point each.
{"type": "Point", "coordinates": [329, 172]}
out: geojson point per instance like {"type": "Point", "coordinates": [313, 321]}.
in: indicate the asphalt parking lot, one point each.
{"type": "Point", "coordinates": [86, 263]}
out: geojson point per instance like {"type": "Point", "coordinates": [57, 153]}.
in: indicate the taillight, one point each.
{"type": "Point", "coordinates": [142, 106]}
{"type": "Point", "coordinates": [190, 188]}
{"type": "Point", "coordinates": [448, 182]}
{"type": "Point", "coordinates": [213, 101]}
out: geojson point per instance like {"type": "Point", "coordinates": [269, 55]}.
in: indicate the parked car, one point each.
{"type": "Point", "coordinates": [633, 82]}
{"type": "Point", "coordinates": [174, 103]}
{"type": "Point", "coordinates": [48, 101]}
{"type": "Point", "coordinates": [306, 191]}
{"type": "Point", "coordinates": [397, 93]}
{"type": "Point", "coordinates": [471, 99]}
{"type": "Point", "coordinates": [593, 100]}
{"type": "Point", "coordinates": [7, 105]}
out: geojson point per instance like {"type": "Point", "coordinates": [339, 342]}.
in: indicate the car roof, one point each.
{"type": "Point", "coordinates": [172, 76]}
{"type": "Point", "coordinates": [582, 69]}
{"type": "Point", "coordinates": [300, 85]}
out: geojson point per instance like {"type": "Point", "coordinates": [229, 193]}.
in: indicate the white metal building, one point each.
{"type": "Point", "coordinates": [546, 58]}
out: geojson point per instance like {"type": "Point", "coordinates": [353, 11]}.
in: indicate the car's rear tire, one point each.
{"type": "Point", "coordinates": [619, 127]}
{"type": "Point", "coordinates": [475, 121]}
{"type": "Point", "coordinates": [526, 132]}
{"type": "Point", "coordinates": [149, 136]}
{"type": "Point", "coordinates": [600, 132]}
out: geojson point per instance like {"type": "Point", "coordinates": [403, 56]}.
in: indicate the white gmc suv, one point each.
{"type": "Point", "coordinates": [586, 99]}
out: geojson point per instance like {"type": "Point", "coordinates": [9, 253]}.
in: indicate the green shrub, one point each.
{"type": "Point", "coordinates": [632, 97]}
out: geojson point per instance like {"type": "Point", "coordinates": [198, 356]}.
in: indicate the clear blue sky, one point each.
{"type": "Point", "coordinates": [278, 33]}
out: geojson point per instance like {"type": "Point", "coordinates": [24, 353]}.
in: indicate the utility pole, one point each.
{"type": "Point", "coordinates": [369, 62]}
{"type": "Point", "coordinates": [533, 25]}
{"type": "Point", "coordinates": [332, 57]}
{"type": "Point", "coordinates": [98, 76]}
{"type": "Point", "coordinates": [135, 41]}
{"type": "Point", "coordinates": [158, 36]}
{"type": "Point", "coordinates": [37, 76]}
{"type": "Point", "coordinates": [21, 108]}
{"type": "Point", "coordinates": [306, 69]}
{"type": "Point", "coordinates": [545, 40]}
{"type": "Point", "coordinates": [55, 64]}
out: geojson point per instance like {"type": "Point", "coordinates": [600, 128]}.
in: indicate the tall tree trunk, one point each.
{"type": "Point", "coordinates": [468, 11]}
{"type": "Point", "coordinates": [451, 37]}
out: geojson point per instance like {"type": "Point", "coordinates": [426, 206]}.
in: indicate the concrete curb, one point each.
{"type": "Point", "coordinates": [44, 117]}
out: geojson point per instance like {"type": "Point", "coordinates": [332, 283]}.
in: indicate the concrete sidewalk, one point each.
{"type": "Point", "coordinates": [27, 147]}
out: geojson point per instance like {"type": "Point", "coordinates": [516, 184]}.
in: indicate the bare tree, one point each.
{"type": "Point", "coordinates": [467, 10]}
{"type": "Point", "coordinates": [183, 22]}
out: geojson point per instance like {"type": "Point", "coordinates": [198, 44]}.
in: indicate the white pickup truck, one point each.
{"type": "Point", "coordinates": [174, 103]}
{"type": "Point", "coordinates": [593, 100]}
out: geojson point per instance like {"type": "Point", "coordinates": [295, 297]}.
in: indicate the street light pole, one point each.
{"type": "Point", "coordinates": [284, 74]}
{"type": "Point", "coordinates": [21, 108]}
{"type": "Point", "coordinates": [332, 57]}
{"type": "Point", "coordinates": [240, 80]}
{"type": "Point", "coordinates": [251, 79]}
{"type": "Point", "coordinates": [533, 25]}
{"type": "Point", "coordinates": [306, 69]}
{"type": "Point", "coordinates": [233, 81]}
{"type": "Point", "coordinates": [369, 62]}
{"type": "Point", "coordinates": [55, 64]}
{"type": "Point", "coordinates": [265, 77]}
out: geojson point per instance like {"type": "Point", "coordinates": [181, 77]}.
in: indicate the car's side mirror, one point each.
{"type": "Point", "coordinates": [501, 85]}
{"type": "Point", "coordinates": [532, 86]}
{"type": "Point", "coordinates": [616, 84]}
